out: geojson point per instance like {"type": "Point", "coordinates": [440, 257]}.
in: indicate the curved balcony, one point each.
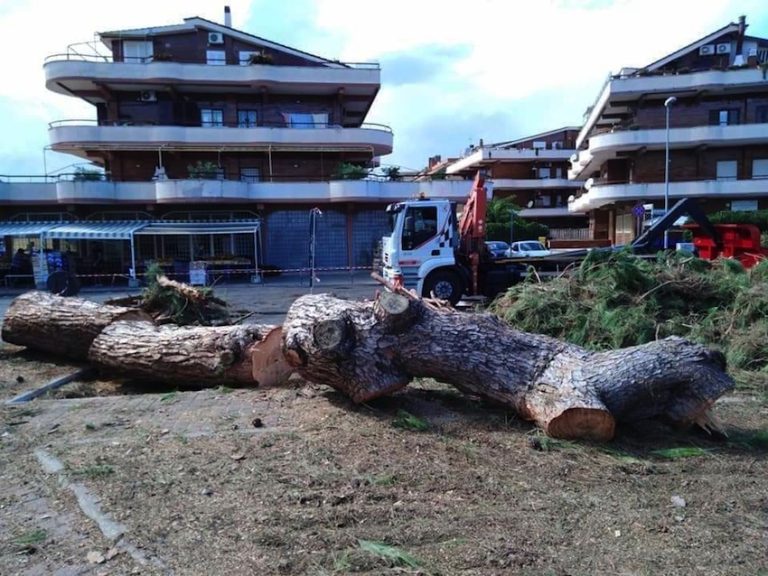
{"type": "Point", "coordinates": [618, 90]}
{"type": "Point", "coordinates": [78, 136]}
{"type": "Point", "coordinates": [68, 74]}
{"type": "Point", "coordinates": [607, 146]}
{"type": "Point", "coordinates": [534, 183]}
{"type": "Point", "coordinates": [603, 194]}
{"type": "Point", "coordinates": [488, 155]}
{"type": "Point", "coordinates": [51, 191]}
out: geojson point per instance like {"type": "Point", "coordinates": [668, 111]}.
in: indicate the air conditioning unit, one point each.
{"type": "Point", "coordinates": [148, 96]}
{"type": "Point", "coordinates": [723, 48]}
{"type": "Point", "coordinates": [215, 38]}
{"type": "Point", "coordinates": [707, 50]}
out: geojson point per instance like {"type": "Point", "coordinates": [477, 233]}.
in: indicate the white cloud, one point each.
{"type": "Point", "coordinates": [35, 29]}
{"type": "Point", "coordinates": [523, 66]}
{"type": "Point", "coordinates": [519, 50]}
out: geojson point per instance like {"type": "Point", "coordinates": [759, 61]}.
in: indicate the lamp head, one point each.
{"type": "Point", "coordinates": [669, 101]}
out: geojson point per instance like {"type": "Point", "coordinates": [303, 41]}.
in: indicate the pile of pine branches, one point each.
{"type": "Point", "coordinates": [616, 299]}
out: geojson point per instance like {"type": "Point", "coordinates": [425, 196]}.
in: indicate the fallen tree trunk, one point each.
{"type": "Point", "coordinates": [62, 326]}
{"type": "Point", "coordinates": [126, 342]}
{"type": "Point", "coordinates": [193, 357]}
{"type": "Point", "coordinates": [367, 350]}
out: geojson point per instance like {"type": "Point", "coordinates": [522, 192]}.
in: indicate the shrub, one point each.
{"type": "Point", "coordinates": [87, 175]}
{"type": "Point", "coordinates": [349, 171]}
{"type": "Point", "coordinates": [616, 299]}
{"type": "Point", "coordinates": [204, 170]}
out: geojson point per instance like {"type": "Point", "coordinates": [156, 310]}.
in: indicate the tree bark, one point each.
{"type": "Point", "coordinates": [367, 350]}
{"type": "Point", "coordinates": [194, 357]}
{"type": "Point", "coordinates": [61, 326]}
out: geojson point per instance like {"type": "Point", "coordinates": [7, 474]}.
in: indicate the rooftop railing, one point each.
{"type": "Point", "coordinates": [220, 175]}
{"type": "Point", "coordinates": [94, 52]}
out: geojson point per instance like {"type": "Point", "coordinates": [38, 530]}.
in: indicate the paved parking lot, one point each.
{"type": "Point", "coordinates": [269, 300]}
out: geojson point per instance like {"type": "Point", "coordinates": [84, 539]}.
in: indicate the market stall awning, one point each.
{"type": "Point", "coordinates": [25, 228]}
{"type": "Point", "coordinates": [116, 230]}
{"type": "Point", "coordinates": [188, 228]}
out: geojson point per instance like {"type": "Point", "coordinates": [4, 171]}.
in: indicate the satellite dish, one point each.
{"type": "Point", "coordinates": [530, 204]}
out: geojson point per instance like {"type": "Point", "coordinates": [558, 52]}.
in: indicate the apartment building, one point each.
{"type": "Point", "coordinates": [199, 122]}
{"type": "Point", "coordinates": [533, 172]}
{"type": "Point", "coordinates": [715, 94]}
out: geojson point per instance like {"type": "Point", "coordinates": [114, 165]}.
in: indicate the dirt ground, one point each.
{"type": "Point", "coordinates": [297, 480]}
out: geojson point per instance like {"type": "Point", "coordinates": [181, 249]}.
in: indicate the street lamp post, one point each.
{"type": "Point", "coordinates": [667, 103]}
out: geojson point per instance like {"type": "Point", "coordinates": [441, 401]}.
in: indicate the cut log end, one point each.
{"type": "Point", "coordinates": [329, 335]}
{"type": "Point", "coordinates": [393, 312]}
{"type": "Point", "coordinates": [582, 423]}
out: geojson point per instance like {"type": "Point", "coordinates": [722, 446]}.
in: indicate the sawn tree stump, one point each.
{"type": "Point", "coordinates": [367, 350]}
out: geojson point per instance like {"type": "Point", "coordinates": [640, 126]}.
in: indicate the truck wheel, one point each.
{"type": "Point", "coordinates": [445, 285]}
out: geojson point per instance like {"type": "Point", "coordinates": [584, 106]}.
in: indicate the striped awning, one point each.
{"type": "Point", "coordinates": [115, 230]}
{"type": "Point", "coordinates": [25, 228]}
{"type": "Point", "coordinates": [187, 228]}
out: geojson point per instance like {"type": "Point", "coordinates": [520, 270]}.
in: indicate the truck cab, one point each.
{"type": "Point", "coordinates": [420, 251]}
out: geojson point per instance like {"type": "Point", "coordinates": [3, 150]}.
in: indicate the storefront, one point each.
{"type": "Point", "coordinates": [110, 251]}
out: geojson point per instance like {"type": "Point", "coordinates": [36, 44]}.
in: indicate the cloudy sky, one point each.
{"type": "Point", "coordinates": [452, 72]}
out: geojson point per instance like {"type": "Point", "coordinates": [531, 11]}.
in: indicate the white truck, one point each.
{"type": "Point", "coordinates": [432, 252]}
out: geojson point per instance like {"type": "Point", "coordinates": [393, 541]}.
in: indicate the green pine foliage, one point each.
{"type": "Point", "coordinates": [616, 299]}
{"type": "Point", "coordinates": [167, 303]}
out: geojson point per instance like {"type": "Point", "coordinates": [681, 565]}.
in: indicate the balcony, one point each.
{"type": "Point", "coordinates": [79, 136]}
{"type": "Point", "coordinates": [487, 155]}
{"type": "Point", "coordinates": [534, 183]}
{"type": "Point", "coordinates": [609, 145]}
{"type": "Point", "coordinates": [603, 194]}
{"type": "Point", "coordinates": [555, 212]}
{"type": "Point", "coordinates": [79, 74]}
{"type": "Point", "coordinates": [50, 191]}
{"type": "Point", "coordinates": [621, 91]}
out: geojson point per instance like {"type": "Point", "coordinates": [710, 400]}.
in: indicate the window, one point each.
{"type": "Point", "coordinates": [246, 118]}
{"type": "Point", "coordinates": [211, 117]}
{"type": "Point", "coordinates": [420, 225]}
{"type": "Point", "coordinates": [724, 117]}
{"type": "Point", "coordinates": [245, 56]}
{"type": "Point", "coordinates": [249, 174]}
{"type": "Point", "coordinates": [302, 120]}
{"type": "Point", "coordinates": [137, 51]}
{"type": "Point", "coordinates": [743, 205]}
{"type": "Point", "coordinates": [760, 168]}
{"type": "Point", "coordinates": [761, 114]}
{"type": "Point", "coordinates": [216, 57]}
{"type": "Point", "coordinates": [544, 173]}
{"type": "Point", "coordinates": [543, 201]}
{"type": "Point", "coordinates": [727, 169]}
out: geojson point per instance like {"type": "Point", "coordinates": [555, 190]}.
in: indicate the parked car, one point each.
{"type": "Point", "coordinates": [527, 249]}
{"type": "Point", "coordinates": [497, 249]}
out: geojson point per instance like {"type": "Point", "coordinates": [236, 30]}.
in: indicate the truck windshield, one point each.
{"type": "Point", "coordinates": [392, 211]}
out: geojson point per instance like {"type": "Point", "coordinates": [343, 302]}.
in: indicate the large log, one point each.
{"type": "Point", "coordinates": [193, 357]}
{"type": "Point", "coordinates": [367, 350]}
{"type": "Point", "coordinates": [61, 326]}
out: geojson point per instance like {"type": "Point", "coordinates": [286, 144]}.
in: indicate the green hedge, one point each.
{"type": "Point", "coordinates": [524, 230]}
{"type": "Point", "coordinates": [758, 217]}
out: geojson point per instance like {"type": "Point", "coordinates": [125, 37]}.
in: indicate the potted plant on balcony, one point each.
{"type": "Point", "coordinates": [261, 58]}
{"type": "Point", "coordinates": [392, 173]}
{"type": "Point", "coordinates": [87, 175]}
{"type": "Point", "coordinates": [349, 171]}
{"type": "Point", "coordinates": [203, 170]}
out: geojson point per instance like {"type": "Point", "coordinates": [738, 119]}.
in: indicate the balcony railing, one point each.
{"type": "Point", "coordinates": [93, 52]}
{"type": "Point", "coordinates": [292, 124]}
